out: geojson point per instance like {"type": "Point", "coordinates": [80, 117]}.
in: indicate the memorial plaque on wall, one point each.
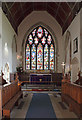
{"type": "Point", "coordinates": [75, 45]}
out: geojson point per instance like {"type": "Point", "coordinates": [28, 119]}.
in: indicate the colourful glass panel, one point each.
{"type": "Point", "coordinates": [27, 57]}
{"type": "Point", "coordinates": [30, 39]}
{"type": "Point", "coordinates": [46, 57]}
{"type": "Point", "coordinates": [51, 57]}
{"type": "Point", "coordinates": [33, 57]}
{"type": "Point", "coordinates": [40, 32]}
{"type": "Point", "coordinates": [36, 40]}
{"type": "Point", "coordinates": [43, 40]}
{"type": "Point", "coordinates": [46, 33]}
{"type": "Point", "coordinates": [39, 57]}
{"type": "Point", "coordinates": [34, 32]}
{"type": "Point", "coordinates": [49, 39]}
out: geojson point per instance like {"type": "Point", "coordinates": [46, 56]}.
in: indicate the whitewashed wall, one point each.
{"type": "Point", "coordinates": [7, 37]}
{"type": "Point", "coordinates": [14, 55]}
{"type": "Point", "coordinates": [0, 38]}
{"type": "Point", "coordinates": [74, 30]}
{"type": "Point", "coordinates": [67, 57]}
{"type": "Point", "coordinates": [0, 60]}
{"type": "Point", "coordinates": [44, 17]}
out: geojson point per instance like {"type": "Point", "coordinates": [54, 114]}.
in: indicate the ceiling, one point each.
{"type": "Point", "coordinates": [63, 12]}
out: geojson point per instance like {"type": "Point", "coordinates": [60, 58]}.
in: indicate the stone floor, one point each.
{"type": "Point", "coordinates": [61, 112]}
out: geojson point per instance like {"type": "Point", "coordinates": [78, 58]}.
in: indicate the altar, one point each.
{"type": "Point", "coordinates": [40, 78]}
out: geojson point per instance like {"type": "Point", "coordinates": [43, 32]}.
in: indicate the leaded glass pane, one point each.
{"type": "Point", "coordinates": [49, 39]}
{"type": "Point", "coordinates": [39, 57]}
{"type": "Point", "coordinates": [46, 57]}
{"type": "Point", "coordinates": [43, 40]}
{"type": "Point", "coordinates": [33, 58]}
{"type": "Point", "coordinates": [30, 39]}
{"type": "Point", "coordinates": [51, 57]}
{"type": "Point", "coordinates": [36, 40]}
{"type": "Point", "coordinates": [27, 57]}
{"type": "Point", "coordinates": [40, 32]}
{"type": "Point", "coordinates": [34, 32]}
{"type": "Point", "coordinates": [46, 33]}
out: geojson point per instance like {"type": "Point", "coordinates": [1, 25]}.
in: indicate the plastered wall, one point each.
{"type": "Point", "coordinates": [74, 30]}
{"type": "Point", "coordinates": [34, 18]}
{"type": "Point", "coordinates": [7, 39]}
{"type": "Point", "coordinates": [0, 38]}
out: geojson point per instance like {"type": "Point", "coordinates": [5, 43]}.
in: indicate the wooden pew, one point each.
{"type": "Point", "coordinates": [10, 96]}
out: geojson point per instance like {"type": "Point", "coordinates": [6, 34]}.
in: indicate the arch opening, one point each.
{"type": "Point", "coordinates": [40, 50]}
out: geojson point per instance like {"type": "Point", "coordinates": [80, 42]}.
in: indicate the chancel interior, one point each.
{"type": "Point", "coordinates": [41, 60]}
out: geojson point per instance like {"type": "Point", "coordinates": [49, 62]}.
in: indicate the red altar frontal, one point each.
{"type": "Point", "coordinates": [40, 78]}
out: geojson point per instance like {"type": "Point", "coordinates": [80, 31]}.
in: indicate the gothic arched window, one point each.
{"type": "Point", "coordinates": [40, 50]}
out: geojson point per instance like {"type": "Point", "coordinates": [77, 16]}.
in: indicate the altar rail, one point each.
{"type": "Point", "coordinates": [72, 95]}
{"type": "Point", "coordinates": [39, 82]}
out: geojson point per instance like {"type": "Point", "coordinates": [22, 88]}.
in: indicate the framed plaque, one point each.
{"type": "Point", "coordinates": [75, 45]}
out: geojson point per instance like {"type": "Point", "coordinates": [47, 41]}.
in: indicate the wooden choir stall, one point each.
{"type": "Point", "coordinates": [72, 95]}
{"type": "Point", "coordinates": [11, 93]}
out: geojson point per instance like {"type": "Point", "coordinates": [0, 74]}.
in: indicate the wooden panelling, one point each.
{"type": "Point", "coordinates": [9, 91]}
{"type": "Point", "coordinates": [72, 95]}
{"type": "Point", "coordinates": [0, 101]}
{"type": "Point", "coordinates": [10, 96]}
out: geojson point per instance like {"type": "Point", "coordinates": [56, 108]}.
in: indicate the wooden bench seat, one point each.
{"type": "Point", "coordinates": [12, 102]}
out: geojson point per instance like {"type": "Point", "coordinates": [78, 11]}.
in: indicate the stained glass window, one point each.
{"type": "Point", "coordinates": [51, 57]}
{"type": "Point", "coordinates": [34, 32]}
{"type": "Point", "coordinates": [40, 57]}
{"type": "Point", "coordinates": [39, 32]}
{"type": "Point", "coordinates": [27, 57]}
{"type": "Point", "coordinates": [33, 57]}
{"type": "Point", "coordinates": [46, 33]}
{"type": "Point", "coordinates": [46, 57]}
{"type": "Point", "coordinates": [43, 40]}
{"type": "Point", "coordinates": [49, 39]}
{"type": "Point", "coordinates": [40, 50]}
{"type": "Point", "coordinates": [36, 40]}
{"type": "Point", "coordinates": [30, 39]}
